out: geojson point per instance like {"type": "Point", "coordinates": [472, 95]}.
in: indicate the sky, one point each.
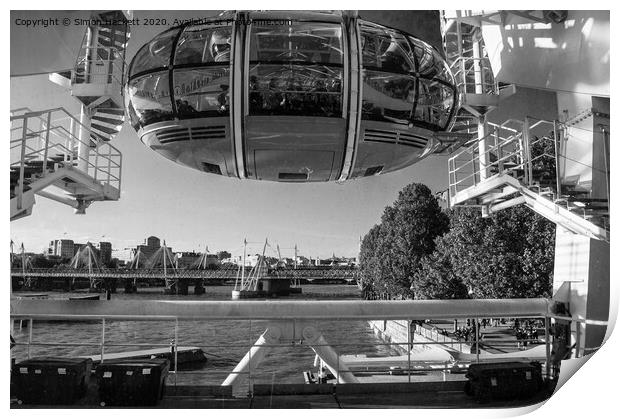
{"type": "Point", "coordinates": [190, 209]}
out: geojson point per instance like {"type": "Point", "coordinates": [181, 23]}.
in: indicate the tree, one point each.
{"type": "Point", "coordinates": [393, 250]}
{"type": "Point", "coordinates": [506, 255]}
{"type": "Point", "coordinates": [436, 278]}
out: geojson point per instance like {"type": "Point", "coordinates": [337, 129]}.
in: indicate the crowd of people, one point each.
{"type": "Point", "coordinates": [295, 95]}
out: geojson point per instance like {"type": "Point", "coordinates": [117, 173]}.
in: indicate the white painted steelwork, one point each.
{"type": "Point", "coordinates": [279, 310]}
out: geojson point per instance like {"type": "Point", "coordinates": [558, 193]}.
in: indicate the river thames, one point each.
{"type": "Point", "coordinates": [224, 342]}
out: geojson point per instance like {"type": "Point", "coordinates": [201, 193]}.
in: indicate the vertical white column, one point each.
{"type": "Point", "coordinates": [483, 154]}
{"type": "Point", "coordinates": [84, 140]}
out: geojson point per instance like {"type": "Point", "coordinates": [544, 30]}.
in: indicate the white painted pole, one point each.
{"type": "Point", "coordinates": [245, 244]}
{"type": "Point", "coordinates": [164, 260]}
{"type": "Point", "coordinates": [84, 140]}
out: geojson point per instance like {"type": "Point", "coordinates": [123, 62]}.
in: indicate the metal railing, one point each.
{"type": "Point", "coordinates": [512, 147]}
{"type": "Point", "coordinates": [53, 136]}
{"type": "Point", "coordinates": [257, 315]}
{"type": "Point", "coordinates": [99, 65]}
{"type": "Point", "coordinates": [529, 151]}
{"type": "Point", "coordinates": [216, 273]}
{"type": "Point", "coordinates": [474, 76]}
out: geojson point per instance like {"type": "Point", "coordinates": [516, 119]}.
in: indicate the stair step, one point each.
{"type": "Point", "coordinates": [120, 112]}
{"type": "Point", "coordinates": [103, 128]}
{"type": "Point", "coordinates": [98, 138]}
{"type": "Point", "coordinates": [103, 119]}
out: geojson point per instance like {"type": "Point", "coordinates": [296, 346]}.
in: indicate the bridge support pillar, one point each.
{"type": "Point", "coordinates": [130, 286]}
{"type": "Point", "coordinates": [183, 284]}
{"type": "Point", "coordinates": [67, 284]}
{"type": "Point", "coordinates": [109, 284]}
{"type": "Point", "coordinates": [199, 288]}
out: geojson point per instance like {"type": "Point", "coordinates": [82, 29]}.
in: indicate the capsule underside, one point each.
{"type": "Point", "coordinates": [307, 98]}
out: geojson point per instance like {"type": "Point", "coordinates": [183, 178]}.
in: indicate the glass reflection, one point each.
{"type": "Point", "coordinates": [204, 44]}
{"type": "Point", "coordinates": [155, 54]}
{"type": "Point", "coordinates": [385, 50]}
{"type": "Point", "coordinates": [405, 80]}
{"type": "Point", "coordinates": [295, 90]}
{"type": "Point", "coordinates": [309, 42]}
{"type": "Point", "coordinates": [295, 68]}
{"type": "Point", "coordinates": [388, 97]}
{"type": "Point", "coordinates": [150, 98]}
{"type": "Point", "coordinates": [202, 92]}
{"type": "Point", "coordinates": [435, 103]}
{"type": "Point", "coordinates": [429, 62]}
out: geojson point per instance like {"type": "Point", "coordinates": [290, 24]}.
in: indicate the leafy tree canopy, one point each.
{"type": "Point", "coordinates": [418, 251]}
{"type": "Point", "coordinates": [393, 250]}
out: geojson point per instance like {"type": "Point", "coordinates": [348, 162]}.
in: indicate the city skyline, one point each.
{"type": "Point", "coordinates": [195, 209]}
{"type": "Point", "coordinates": [171, 245]}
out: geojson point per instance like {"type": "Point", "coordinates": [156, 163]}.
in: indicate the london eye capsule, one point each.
{"type": "Point", "coordinates": [295, 97]}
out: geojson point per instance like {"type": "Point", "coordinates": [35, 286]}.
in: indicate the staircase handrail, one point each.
{"type": "Point", "coordinates": [114, 68]}
{"type": "Point", "coordinates": [464, 67]}
{"type": "Point", "coordinates": [104, 162]}
{"type": "Point", "coordinates": [511, 148]}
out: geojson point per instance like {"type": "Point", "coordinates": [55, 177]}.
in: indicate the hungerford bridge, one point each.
{"type": "Point", "coordinates": [45, 278]}
{"type": "Point", "coordinates": [160, 269]}
{"type": "Point", "coordinates": [308, 274]}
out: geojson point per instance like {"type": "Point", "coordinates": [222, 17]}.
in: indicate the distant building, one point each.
{"type": "Point", "coordinates": [187, 259]}
{"type": "Point", "coordinates": [63, 248]}
{"type": "Point", "coordinates": [250, 260]}
{"type": "Point", "coordinates": [77, 247]}
{"type": "Point", "coordinates": [191, 259]}
{"type": "Point", "coordinates": [152, 245]}
{"type": "Point", "coordinates": [123, 255]}
{"type": "Point", "coordinates": [303, 261]}
{"type": "Point", "coordinates": [287, 262]}
{"type": "Point", "coordinates": [105, 252]}
{"type": "Point", "coordinates": [153, 241]}
{"type": "Point", "coordinates": [334, 261]}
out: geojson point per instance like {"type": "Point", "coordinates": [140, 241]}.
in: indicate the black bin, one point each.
{"type": "Point", "coordinates": [503, 380]}
{"type": "Point", "coordinates": [137, 382]}
{"type": "Point", "coordinates": [51, 380]}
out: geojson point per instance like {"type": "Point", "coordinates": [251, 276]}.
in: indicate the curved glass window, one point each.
{"type": "Point", "coordinates": [405, 80]}
{"type": "Point", "coordinates": [307, 42]}
{"type": "Point", "coordinates": [389, 88]}
{"type": "Point", "coordinates": [296, 69]}
{"type": "Point", "coordinates": [388, 97]}
{"type": "Point", "coordinates": [204, 44]}
{"type": "Point", "coordinates": [295, 90]}
{"type": "Point", "coordinates": [150, 98]}
{"type": "Point", "coordinates": [202, 91]}
{"type": "Point", "coordinates": [435, 103]}
{"type": "Point", "coordinates": [155, 54]}
{"type": "Point", "coordinates": [429, 62]}
{"type": "Point", "coordinates": [385, 50]}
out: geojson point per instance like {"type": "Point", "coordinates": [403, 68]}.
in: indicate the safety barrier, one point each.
{"type": "Point", "coordinates": [290, 325]}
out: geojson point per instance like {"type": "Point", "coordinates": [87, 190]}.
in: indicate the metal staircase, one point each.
{"type": "Point", "coordinates": [44, 154]}
{"type": "Point", "coordinates": [522, 167]}
{"type": "Point", "coordinates": [517, 162]}
{"type": "Point", "coordinates": [53, 148]}
{"type": "Point", "coordinates": [478, 91]}
{"type": "Point", "coordinates": [98, 74]}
